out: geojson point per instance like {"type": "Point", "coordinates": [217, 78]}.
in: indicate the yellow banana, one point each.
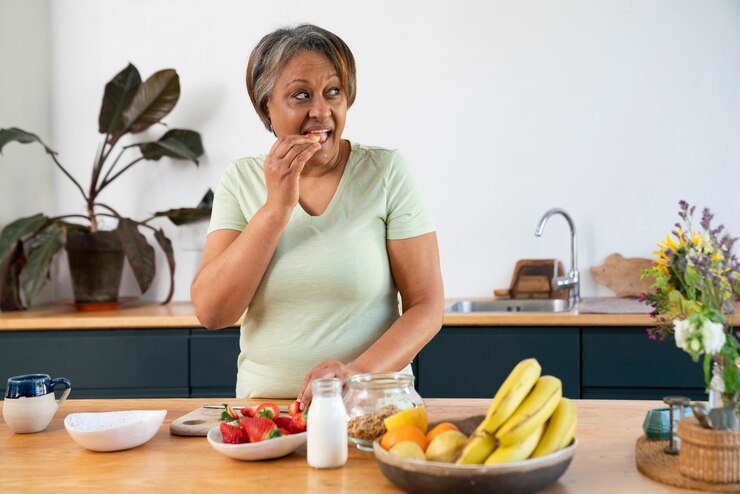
{"type": "Point", "coordinates": [507, 399]}
{"type": "Point", "coordinates": [559, 430]}
{"type": "Point", "coordinates": [534, 411]}
{"type": "Point", "coordinates": [516, 452]}
{"type": "Point", "coordinates": [477, 449]}
{"type": "Point", "coordinates": [510, 395]}
{"type": "Point", "coordinates": [569, 435]}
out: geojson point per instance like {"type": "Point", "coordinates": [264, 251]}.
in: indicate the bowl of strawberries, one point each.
{"type": "Point", "coordinates": [258, 433]}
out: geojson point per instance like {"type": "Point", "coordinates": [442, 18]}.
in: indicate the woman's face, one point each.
{"type": "Point", "coordinates": [308, 99]}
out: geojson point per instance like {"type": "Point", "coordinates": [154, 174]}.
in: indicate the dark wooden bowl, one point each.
{"type": "Point", "coordinates": [430, 477]}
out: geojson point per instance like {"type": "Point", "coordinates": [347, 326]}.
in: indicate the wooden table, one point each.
{"type": "Point", "coordinates": [51, 462]}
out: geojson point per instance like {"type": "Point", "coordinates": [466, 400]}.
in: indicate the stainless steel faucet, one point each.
{"type": "Point", "coordinates": [572, 280]}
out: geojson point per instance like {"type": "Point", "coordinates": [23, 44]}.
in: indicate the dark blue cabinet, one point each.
{"type": "Point", "coordinates": [473, 361]}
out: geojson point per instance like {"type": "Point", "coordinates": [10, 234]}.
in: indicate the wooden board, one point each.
{"type": "Point", "coordinates": [622, 275]}
{"type": "Point", "coordinates": [196, 423]}
{"type": "Point", "coordinates": [201, 420]}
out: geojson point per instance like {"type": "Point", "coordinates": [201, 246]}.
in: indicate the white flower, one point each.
{"type": "Point", "coordinates": [713, 336]}
{"type": "Point", "coordinates": [682, 330]}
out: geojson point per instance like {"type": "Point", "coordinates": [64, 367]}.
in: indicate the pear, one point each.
{"type": "Point", "coordinates": [445, 446]}
{"type": "Point", "coordinates": [407, 449]}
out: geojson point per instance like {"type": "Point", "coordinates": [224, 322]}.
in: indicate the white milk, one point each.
{"type": "Point", "coordinates": [327, 425]}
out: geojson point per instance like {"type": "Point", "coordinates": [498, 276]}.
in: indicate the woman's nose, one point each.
{"type": "Point", "coordinates": [319, 109]}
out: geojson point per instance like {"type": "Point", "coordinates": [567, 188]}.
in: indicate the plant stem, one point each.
{"type": "Point", "coordinates": [69, 176]}
{"type": "Point", "coordinates": [108, 208]}
{"type": "Point", "coordinates": [110, 169]}
{"type": "Point", "coordinates": [105, 183]}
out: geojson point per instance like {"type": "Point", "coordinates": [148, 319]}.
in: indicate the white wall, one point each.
{"type": "Point", "coordinates": [26, 174]}
{"type": "Point", "coordinates": [613, 110]}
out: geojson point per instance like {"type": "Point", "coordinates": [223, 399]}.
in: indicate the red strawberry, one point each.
{"type": "Point", "coordinates": [284, 423]}
{"type": "Point", "coordinates": [259, 429]}
{"type": "Point", "coordinates": [249, 411]}
{"type": "Point", "coordinates": [268, 410]}
{"type": "Point", "coordinates": [283, 432]}
{"type": "Point", "coordinates": [299, 422]}
{"type": "Point", "coordinates": [294, 408]}
{"type": "Point", "coordinates": [232, 433]}
{"type": "Point", "coordinates": [228, 414]}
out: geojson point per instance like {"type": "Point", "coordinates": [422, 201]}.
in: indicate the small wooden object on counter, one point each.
{"type": "Point", "coordinates": [708, 454]}
{"type": "Point", "coordinates": [622, 275]}
{"type": "Point", "coordinates": [196, 423]}
{"type": "Point", "coordinates": [532, 279]}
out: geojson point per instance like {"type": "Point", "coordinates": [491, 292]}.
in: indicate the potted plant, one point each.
{"type": "Point", "coordinates": [28, 245]}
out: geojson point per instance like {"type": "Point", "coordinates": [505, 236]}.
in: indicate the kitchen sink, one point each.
{"type": "Point", "coordinates": [528, 305]}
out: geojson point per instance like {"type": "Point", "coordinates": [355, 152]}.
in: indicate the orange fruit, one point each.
{"type": "Point", "coordinates": [439, 428]}
{"type": "Point", "coordinates": [416, 416]}
{"type": "Point", "coordinates": [404, 432]}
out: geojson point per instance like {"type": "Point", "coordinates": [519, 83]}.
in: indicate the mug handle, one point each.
{"type": "Point", "coordinates": [67, 385]}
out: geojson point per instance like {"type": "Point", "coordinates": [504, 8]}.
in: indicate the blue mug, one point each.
{"type": "Point", "coordinates": [30, 403]}
{"type": "Point", "coordinates": [30, 385]}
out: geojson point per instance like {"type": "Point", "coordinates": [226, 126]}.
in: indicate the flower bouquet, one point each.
{"type": "Point", "coordinates": [697, 277]}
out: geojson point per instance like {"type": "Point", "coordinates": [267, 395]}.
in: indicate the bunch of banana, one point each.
{"type": "Point", "coordinates": [527, 417]}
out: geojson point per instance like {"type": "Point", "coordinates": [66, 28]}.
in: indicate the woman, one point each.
{"type": "Point", "coordinates": [318, 237]}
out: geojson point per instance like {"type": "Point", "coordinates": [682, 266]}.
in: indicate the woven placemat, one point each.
{"type": "Point", "coordinates": [654, 463]}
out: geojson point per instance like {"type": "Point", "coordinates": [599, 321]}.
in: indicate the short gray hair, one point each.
{"type": "Point", "coordinates": [274, 51]}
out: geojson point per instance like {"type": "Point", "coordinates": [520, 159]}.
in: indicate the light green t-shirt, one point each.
{"type": "Point", "coordinates": [328, 290]}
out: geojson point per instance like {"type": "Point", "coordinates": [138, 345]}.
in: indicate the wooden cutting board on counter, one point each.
{"type": "Point", "coordinates": [196, 423]}
{"type": "Point", "coordinates": [201, 420]}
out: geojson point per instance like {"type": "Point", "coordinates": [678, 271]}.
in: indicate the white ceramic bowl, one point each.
{"type": "Point", "coordinates": [263, 450]}
{"type": "Point", "coordinates": [114, 431]}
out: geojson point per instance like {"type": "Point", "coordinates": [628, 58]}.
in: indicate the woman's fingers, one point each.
{"type": "Point", "coordinates": [325, 370]}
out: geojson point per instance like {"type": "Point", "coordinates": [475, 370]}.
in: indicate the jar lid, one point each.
{"type": "Point", "coordinates": [385, 380]}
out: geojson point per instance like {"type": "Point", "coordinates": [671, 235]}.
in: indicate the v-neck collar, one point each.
{"type": "Point", "coordinates": [337, 193]}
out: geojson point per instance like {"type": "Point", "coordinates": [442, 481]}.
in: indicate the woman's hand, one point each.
{"type": "Point", "coordinates": [283, 167]}
{"type": "Point", "coordinates": [325, 370]}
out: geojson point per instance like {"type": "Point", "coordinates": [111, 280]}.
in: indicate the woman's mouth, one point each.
{"type": "Point", "coordinates": [321, 136]}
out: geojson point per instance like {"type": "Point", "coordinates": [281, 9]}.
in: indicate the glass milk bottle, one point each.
{"type": "Point", "coordinates": [327, 425]}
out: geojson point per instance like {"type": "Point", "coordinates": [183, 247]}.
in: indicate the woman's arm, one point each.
{"type": "Point", "coordinates": [416, 272]}
{"type": "Point", "coordinates": [234, 262]}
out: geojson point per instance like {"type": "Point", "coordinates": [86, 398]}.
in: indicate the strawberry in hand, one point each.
{"type": "Point", "coordinates": [299, 421]}
{"type": "Point", "coordinates": [268, 411]}
{"type": "Point", "coordinates": [294, 408]}
{"type": "Point", "coordinates": [259, 429]}
{"type": "Point", "coordinates": [232, 433]}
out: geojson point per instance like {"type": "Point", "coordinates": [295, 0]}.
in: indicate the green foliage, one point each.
{"type": "Point", "coordinates": [28, 245]}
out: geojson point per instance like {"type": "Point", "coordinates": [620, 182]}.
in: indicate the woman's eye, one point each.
{"type": "Point", "coordinates": [301, 95]}
{"type": "Point", "coordinates": [334, 91]}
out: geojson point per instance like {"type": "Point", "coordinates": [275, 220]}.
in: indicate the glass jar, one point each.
{"type": "Point", "coordinates": [373, 397]}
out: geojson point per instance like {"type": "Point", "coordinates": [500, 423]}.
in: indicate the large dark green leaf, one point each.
{"type": "Point", "coordinates": [166, 245]}
{"type": "Point", "coordinates": [153, 101]}
{"type": "Point", "coordinates": [15, 134]}
{"type": "Point", "coordinates": [207, 201]}
{"type": "Point", "coordinates": [119, 92]}
{"type": "Point", "coordinates": [176, 143]}
{"type": "Point", "coordinates": [42, 249]}
{"type": "Point", "coordinates": [139, 253]}
{"type": "Point", "coordinates": [183, 216]}
{"type": "Point", "coordinates": [10, 268]}
{"type": "Point", "coordinates": [18, 229]}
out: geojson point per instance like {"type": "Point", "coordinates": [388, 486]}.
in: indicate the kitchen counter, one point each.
{"type": "Point", "coordinates": [51, 461]}
{"type": "Point", "coordinates": [142, 314]}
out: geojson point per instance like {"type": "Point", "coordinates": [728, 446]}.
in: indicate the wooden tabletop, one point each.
{"type": "Point", "coordinates": [51, 461]}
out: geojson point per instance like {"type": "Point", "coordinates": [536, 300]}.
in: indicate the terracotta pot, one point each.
{"type": "Point", "coordinates": [96, 265]}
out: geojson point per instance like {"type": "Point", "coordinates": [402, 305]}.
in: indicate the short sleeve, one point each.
{"type": "Point", "coordinates": [226, 213]}
{"type": "Point", "coordinates": [408, 213]}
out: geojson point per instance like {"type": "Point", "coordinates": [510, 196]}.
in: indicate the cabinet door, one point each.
{"type": "Point", "coordinates": [472, 362]}
{"type": "Point", "coordinates": [624, 363]}
{"type": "Point", "coordinates": [114, 363]}
{"type": "Point", "coordinates": [213, 357]}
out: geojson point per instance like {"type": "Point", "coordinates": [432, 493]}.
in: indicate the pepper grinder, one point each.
{"type": "Point", "coordinates": [676, 404]}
